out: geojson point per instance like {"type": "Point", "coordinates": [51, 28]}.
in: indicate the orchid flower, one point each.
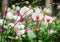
{"type": "Point", "coordinates": [19, 27]}
{"type": "Point", "coordinates": [23, 10]}
{"type": "Point", "coordinates": [29, 12]}
{"type": "Point", "coordinates": [20, 32]}
{"type": "Point", "coordinates": [11, 25]}
{"type": "Point", "coordinates": [37, 16]}
{"type": "Point", "coordinates": [9, 15]}
{"type": "Point", "coordinates": [9, 9]}
{"type": "Point", "coordinates": [15, 17]}
{"type": "Point", "coordinates": [48, 19]}
{"type": "Point", "coordinates": [27, 30]}
{"type": "Point", "coordinates": [1, 21]}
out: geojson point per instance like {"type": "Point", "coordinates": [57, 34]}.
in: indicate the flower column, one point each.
{"type": "Point", "coordinates": [47, 4]}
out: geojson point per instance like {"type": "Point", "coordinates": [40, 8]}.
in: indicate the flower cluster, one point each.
{"type": "Point", "coordinates": [25, 21]}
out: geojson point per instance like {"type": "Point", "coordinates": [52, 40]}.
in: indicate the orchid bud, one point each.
{"type": "Point", "coordinates": [35, 31]}
{"type": "Point", "coordinates": [27, 30]}
{"type": "Point", "coordinates": [0, 30]}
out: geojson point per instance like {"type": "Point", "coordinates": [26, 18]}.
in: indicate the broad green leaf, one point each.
{"type": "Point", "coordinates": [31, 35]}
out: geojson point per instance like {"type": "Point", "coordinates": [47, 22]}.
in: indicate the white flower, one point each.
{"type": "Point", "coordinates": [9, 9]}
{"type": "Point", "coordinates": [48, 19]}
{"type": "Point", "coordinates": [6, 27]}
{"type": "Point", "coordinates": [51, 31]}
{"type": "Point", "coordinates": [15, 17]}
{"type": "Point", "coordinates": [18, 27]}
{"type": "Point", "coordinates": [11, 25]}
{"type": "Point", "coordinates": [18, 18]}
{"type": "Point", "coordinates": [22, 26]}
{"type": "Point", "coordinates": [17, 37]}
{"type": "Point", "coordinates": [29, 12]}
{"type": "Point", "coordinates": [17, 8]}
{"type": "Point", "coordinates": [1, 21]}
{"type": "Point", "coordinates": [20, 32]}
{"type": "Point", "coordinates": [37, 16]}
{"type": "Point", "coordinates": [24, 10]}
{"type": "Point", "coordinates": [9, 15]}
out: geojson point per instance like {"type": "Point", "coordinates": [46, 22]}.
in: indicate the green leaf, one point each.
{"type": "Point", "coordinates": [0, 37]}
{"type": "Point", "coordinates": [11, 37]}
{"type": "Point", "coordinates": [58, 27]}
{"type": "Point", "coordinates": [31, 35]}
{"type": "Point", "coordinates": [40, 41]}
{"type": "Point", "coordinates": [8, 31]}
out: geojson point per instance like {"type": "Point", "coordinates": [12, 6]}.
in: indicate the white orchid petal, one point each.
{"type": "Point", "coordinates": [11, 24]}
{"type": "Point", "coordinates": [24, 9]}
{"type": "Point", "coordinates": [9, 15]}
{"type": "Point", "coordinates": [1, 21]}
{"type": "Point", "coordinates": [15, 17]}
{"type": "Point", "coordinates": [20, 32]}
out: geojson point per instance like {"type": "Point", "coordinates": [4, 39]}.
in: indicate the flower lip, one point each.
{"type": "Point", "coordinates": [48, 20]}
{"type": "Point", "coordinates": [37, 17]}
{"type": "Point", "coordinates": [27, 30]}
{"type": "Point", "coordinates": [22, 20]}
{"type": "Point", "coordinates": [9, 15]}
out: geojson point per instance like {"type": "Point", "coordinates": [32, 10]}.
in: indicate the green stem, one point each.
{"type": "Point", "coordinates": [37, 23]}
